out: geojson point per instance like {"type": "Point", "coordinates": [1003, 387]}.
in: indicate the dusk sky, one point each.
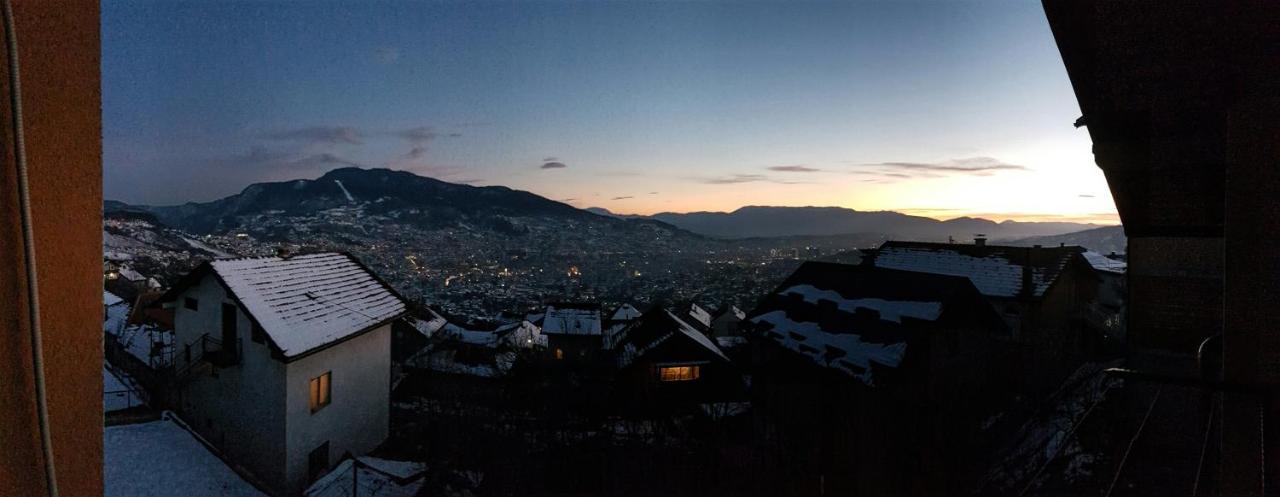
{"type": "Point", "coordinates": [936, 108]}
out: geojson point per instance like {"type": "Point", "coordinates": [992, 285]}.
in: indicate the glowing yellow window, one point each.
{"type": "Point", "coordinates": [559, 354]}
{"type": "Point", "coordinates": [320, 392]}
{"type": "Point", "coordinates": [678, 373]}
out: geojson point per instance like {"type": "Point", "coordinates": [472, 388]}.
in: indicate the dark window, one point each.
{"type": "Point", "coordinates": [318, 461]}
{"type": "Point", "coordinates": [257, 334]}
{"type": "Point", "coordinates": [228, 326]}
{"type": "Point", "coordinates": [191, 304]}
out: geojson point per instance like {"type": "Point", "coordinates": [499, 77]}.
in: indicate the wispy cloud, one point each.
{"type": "Point", "coordinates": [419, 135]}
{"type": "Point", "coordinates": [653, 193]}
{"type": "Point", "coordinates": [733, 179]}
{"type": "Point", "coordinates": [796, 168]}
{"type": "Point", "coordinates": [552, 165]}
{"type": "Point", "coordinates": [967, 165]}
{"type": "Point", "coordinates": [623, 198]}
{"type": "Point", "coordinates": [889, 172]}
{"type": "Point", "coordinates": [387, 55]}
{"type": "Point", "coordinates": [331, 135]}
{"type": "Point", "coordinates": [1085, 195]}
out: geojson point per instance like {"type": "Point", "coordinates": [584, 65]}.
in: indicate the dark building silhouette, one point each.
{"type": "Point", "coordinates": [875, 381]}
{"type": "Point", "coordinates": [1042, 293]}
{"type": "Point", "coordinates": [1181, 100]}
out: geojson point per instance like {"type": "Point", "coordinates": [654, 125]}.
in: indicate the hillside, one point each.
{"type": "Point", "coordinates": [1105, 240]}
{"type": "Point", "coordinates": [765, 221]}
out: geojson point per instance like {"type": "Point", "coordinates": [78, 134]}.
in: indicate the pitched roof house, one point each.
{"type": "Point", "coordinates": [871, 371]}
{"type": "Point", "coordinates": [663, 360]}
{"type": "Point", "coordinates": [1042, 293]}
{"type": "Point", "coordinates": [284, 362]}
{"type": "Point", "coordinates": [573, 330]}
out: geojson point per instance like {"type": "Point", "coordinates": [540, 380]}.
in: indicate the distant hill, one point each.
{"type": "Point", "coordinates": [1105, 240]}
{"type": "Point", "coordinates": [765, 221]}
{"type": "Point", "coordinates": [409, 199]}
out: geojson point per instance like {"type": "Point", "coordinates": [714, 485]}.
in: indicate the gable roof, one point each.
{"type": "Point", "coordinates": [655, 328]}
{"type": "Point", "coordinates": [109, 298]}
{"type": "Point", "coordinates": [572, 319]}
{"type": "Point", "coordinates": [304, 302]}
{"type": "Point", "coordinates": [848, 317]}
{"type": "Point", "coordinates": [997, 271]}
{"type": "Point", "coordinates": [1105, 264]}
{"type": "Point", "coordinates": [731, 311]}
{"type": "Point", "coordinates": [625, 312]}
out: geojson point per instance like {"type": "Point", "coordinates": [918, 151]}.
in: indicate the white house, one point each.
{"type": "Point", "coordinates": [284, 363]}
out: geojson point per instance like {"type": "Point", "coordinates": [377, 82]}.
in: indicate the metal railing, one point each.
{"type": "Point", "coordinates": [211, 350]}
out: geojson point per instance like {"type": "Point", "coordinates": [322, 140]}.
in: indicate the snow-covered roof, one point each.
{"type": "Point", "coordinates": [844, 351]}
{"type": "Point", "coordinates": [428, 327]}
{"type": "Point", "coordinates": [626, 312]}
{"type": "Point", "coordinates": [731, 311]}
{"type": "Point", "coordinates": [129, 274]}
{"type": "Point", "coordinates": [376, 476]}
{"type": "Point", "coordinates": [996, 271]}
{"type": "Point", "coordinates": [571, 320]}
{"type": "Point", "coordinates": [309, 301]}
{"type": "Point", "coordinates": [700, 315]}
{"type": "Point", "coordinates": [654, 329]}
{"type": "Point", "coordinates": [890, 310]}
{"type": "Point", "coordinates": [161, 458]}
{"type": "Point", "coordinates": [1106, 264]}
{"type": "Point", "coordinates": [819, 313]}
{"type": "Point", "coordinates": [109, 298]}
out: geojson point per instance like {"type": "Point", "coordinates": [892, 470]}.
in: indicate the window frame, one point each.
{"type": "Point", "coordinates": [320, 391]}
{"type": "Point", "coordinates": [685, 372]}
{"type": "Point", "coordinates": [191, 304]}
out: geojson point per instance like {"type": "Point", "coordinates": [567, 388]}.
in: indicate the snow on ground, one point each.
{"type": "Point", "coordinates": [142, 341]}
{"type": "Point", "coordinates": [375, 477]}
{"type": "Point", "coordinates": [205, 247]}
{"type": "Point", "coordinates": [114, 319]}
{"type": "Point", "coordinates": [119, 393]}
{"type": "Point", "coordinates": [1040, 439]}
{"type": "Point", "coordinates": [344, 191]}
{"type": "Point", "coordinates": [890, 310]}
{"type": "Point", "coordinates": [162, 458]}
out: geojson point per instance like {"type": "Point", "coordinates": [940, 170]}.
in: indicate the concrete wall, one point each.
{"type": "Point", "coordinates": [358, 417]}
{"type": "Point", "coordinates": [241, 407]}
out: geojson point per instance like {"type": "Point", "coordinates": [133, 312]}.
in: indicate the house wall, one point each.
{"type": "Point", "coordinates": [575, 347]}
{"type": "Point", "coordinates": [725, 325]}
{"type": "Point", "coordinates": [59, 52]}
{"type": "Point", "coordinates": [357, 419]}
{"type": "Point", "coordinates": [638, 385]}
{"type": "Point", "coordinates": [239, 408]}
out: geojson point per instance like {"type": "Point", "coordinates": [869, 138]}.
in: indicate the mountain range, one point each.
{"type": "Point", "coordinates": [767, 221]}
{"type": "Point", "coordinates": [407, 198]}
{"type": "Point", "coordinates": [431, 204]}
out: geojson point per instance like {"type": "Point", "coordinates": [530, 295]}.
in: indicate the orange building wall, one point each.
{"type": "Point", "coordinates": [59, 53]}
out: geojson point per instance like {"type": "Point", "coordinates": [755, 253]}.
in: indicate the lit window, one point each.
{"type": "Point", "coordinates": [320, 392]}
{"type": "Point", "coordinates": [678, 373]}
{"type": "Point", "coordinates": [559, 354]}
